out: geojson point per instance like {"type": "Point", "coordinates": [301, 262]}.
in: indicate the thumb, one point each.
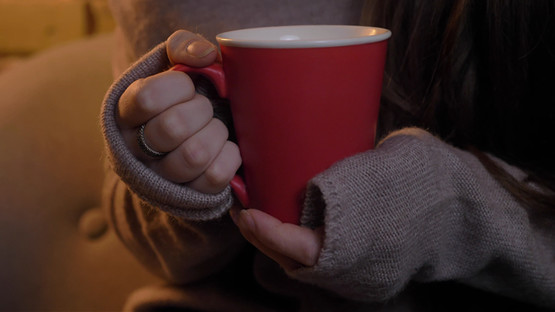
{"type": "Point", "coordinates": [184, 47]}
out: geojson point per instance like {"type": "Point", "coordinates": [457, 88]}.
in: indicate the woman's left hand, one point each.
{"type": "Point", "coordinates": [290, 245]}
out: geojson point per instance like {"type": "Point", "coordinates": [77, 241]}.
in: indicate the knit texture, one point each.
{"type": "Point", "coordinates": [173, 198]}
{"type": "Point", "coordinates": [417, 209]}
{"type": "Point", "coordinates": [413, 225]}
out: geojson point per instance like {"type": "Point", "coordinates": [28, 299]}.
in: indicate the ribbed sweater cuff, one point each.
{"type": "Point", "coordinates": [173, 198]}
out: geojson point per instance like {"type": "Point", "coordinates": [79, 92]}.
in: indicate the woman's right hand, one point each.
{"type": "Point", "coordinates": [180, 122]}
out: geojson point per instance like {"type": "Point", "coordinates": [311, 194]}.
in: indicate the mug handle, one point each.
{"type": "Point", "coordinates": [216, 75]}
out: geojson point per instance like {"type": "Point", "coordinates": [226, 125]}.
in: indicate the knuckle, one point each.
{"type": "Point", "coordinates": [235, 154]}
{"type": "Point", "coordinates": [234, 148]}
{"type": "Point", "coordinates": [145, 97]}
{"type": "Point", "coordinates": [222, 170]}
{"type": "Point", "coordinates": [220, 128]}
{"type": "Point", "coordinates": [184, 83]}
{"type": "Point", "coordinates": [172, 128]}
{"type": "Point", "coordinates": [204, 110]}
{"type": "Point", "coordinates": [196, 155]}
{"type": "Point", "coordinates": [133, 88]}
{"type": "Point", "coordinates": [205, 106]}
{"type": "Point", "coordinates": [218, 175]}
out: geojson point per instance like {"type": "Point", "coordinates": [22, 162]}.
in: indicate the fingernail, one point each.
{"type": "Point", "coordinates": [242, 218]}
{"type": "Point", "coordinates": [246, 219]}
{"type": "Point", "coordinates": [199, 49]}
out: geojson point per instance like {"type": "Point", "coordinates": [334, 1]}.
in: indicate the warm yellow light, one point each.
{"type": "Point", "coordinates": [30, 25]}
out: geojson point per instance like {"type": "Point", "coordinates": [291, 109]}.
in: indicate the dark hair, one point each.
{"type": "Point", "coordinates": [480, 74]}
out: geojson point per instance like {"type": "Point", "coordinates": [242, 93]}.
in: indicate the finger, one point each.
{"type": "Point", "coordinates": [148, 97]}
{"type": "Point", "coordinates": [286, 263]}
{"type": "Point", "coordinates": [244, 221]}
{"type": "Point", "coordinates": [193, 157]}
{"type": "Point", "coordinates": [298, 243]}
{"type": "Point", "coordinates": [185, 47]}
{"type": "Point", "coordinates": [169, 129]}
{"type": "Point", "coordinates": [220, 172]}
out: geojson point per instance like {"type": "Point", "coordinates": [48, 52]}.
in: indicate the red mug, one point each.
{"type": "Point", "coordinates": [302, 98]}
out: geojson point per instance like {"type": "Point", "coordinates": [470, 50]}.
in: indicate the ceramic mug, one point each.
{"type": "Point", "coordinates": [302, 98]}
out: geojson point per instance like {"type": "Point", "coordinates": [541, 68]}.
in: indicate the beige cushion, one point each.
{"type": "Point", "coordinates": [55, 250]}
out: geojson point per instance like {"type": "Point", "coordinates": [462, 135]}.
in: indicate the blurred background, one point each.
{"type": "Point", "coordinates": [57, 251]}
{"type": "Point", "coordinates": [28, 26]}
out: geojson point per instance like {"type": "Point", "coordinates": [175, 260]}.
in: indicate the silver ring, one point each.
{"type": "Point", "coordinates": [149, 151]}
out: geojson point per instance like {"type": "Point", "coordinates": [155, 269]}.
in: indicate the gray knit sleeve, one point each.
{"type": "Point", "coordinates": [176, 199]}
{"type": "Point", "coordinates": [418, 209]}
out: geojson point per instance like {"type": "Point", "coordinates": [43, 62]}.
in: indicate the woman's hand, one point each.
{"type": "Point", "coordinates": [290, 245]}
{"type": "Point", "coordinates": [179, 122]}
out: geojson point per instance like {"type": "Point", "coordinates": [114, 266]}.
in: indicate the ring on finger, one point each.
{"type": "Point", "coordinates": [149, 151]}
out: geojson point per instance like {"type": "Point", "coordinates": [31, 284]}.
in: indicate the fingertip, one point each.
{"type": "Point", "coordinates": [246, 220]}
{"type": "Point", "coordinates": [243, 220]}
{"type": "Point", "coordinates": [295, 242]}
{"type": "Point", "coordinates": [184, 47]}
{"type": "Point", "coordinates": [200, 48]}
{"type": "Point", "coordinates": [259, 223]}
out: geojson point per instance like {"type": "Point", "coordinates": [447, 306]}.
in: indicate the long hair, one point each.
{"type": "Point", "coordinates": [480, 74]}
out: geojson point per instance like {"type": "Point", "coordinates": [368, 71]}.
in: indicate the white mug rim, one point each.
{"type": "Point", "coordinates": [314, 36]}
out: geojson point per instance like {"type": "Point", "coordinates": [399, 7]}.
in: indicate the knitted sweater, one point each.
{"type": "Point", "coordinates": [413, 225]}
{"type": "Point", "coordinates": [398, 219]}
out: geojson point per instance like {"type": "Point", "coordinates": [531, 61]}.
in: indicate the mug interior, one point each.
{"type": "Point", "coordinates": [303, 36]}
